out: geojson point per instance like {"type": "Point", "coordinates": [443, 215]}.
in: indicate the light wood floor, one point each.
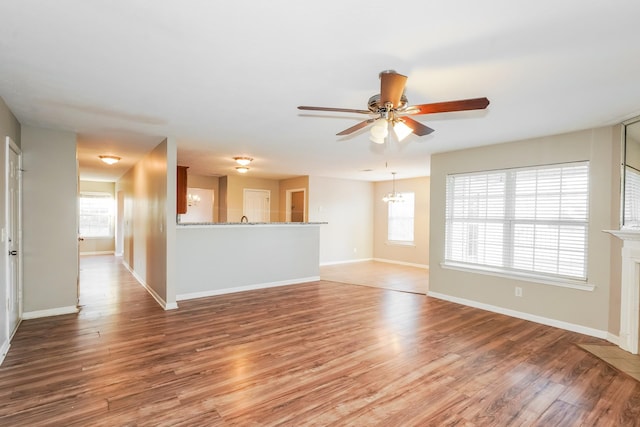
{"type": "Point", "coordinates": [321, 354]}
{"type": "Point", "coordinates": [380, 275]}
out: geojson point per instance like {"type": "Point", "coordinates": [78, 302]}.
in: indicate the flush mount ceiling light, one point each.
{"type": "Point", "coordinates": [110, 160]}
{"type": "Point", "coordinates": [242, 169]}
{"type": "Point", "coordinates": [393, 197]}
{"type": "Point", "coordinates": [243, 161]}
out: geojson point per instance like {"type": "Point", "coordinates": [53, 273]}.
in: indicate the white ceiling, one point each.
{"type": "Point", "coordinates": [225, 78]}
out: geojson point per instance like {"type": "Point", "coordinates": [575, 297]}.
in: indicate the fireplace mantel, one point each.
{"type": "Point", "coordinates": [630, 290]}
{"type": "Point", "coordinates": [625, 234]}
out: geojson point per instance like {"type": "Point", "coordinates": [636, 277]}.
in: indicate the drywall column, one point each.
{"type": "Point", "coordinates": [50, 241]}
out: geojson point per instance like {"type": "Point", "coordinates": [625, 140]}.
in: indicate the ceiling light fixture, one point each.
{"type": "Point", "coordinates": [193, 199]}
{"type": "Point", "coordinates": [401, 130]}
{"type": "Point", "coordinates": [242, 169]}
{"type": "Point", "coordinates": [393, 197]}
{"type": "Point", "coordinates": [380, 130]}
{"type": "Point", "coordinates": [243, 161]}
{"type": "Point", "coordinates": [110, 160]}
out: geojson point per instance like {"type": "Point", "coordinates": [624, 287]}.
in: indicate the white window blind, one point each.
{"type": "Point", "coordinates": [96, 215]}
{"type": "Point", "coordinates": [631, 197]}
{"type": "Point", "coordinates": [400, 219]}
{"type": "Point", "coordinates": [525, 220]}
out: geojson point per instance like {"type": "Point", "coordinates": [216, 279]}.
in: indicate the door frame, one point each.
{"type": "Point", "coordinates": [289, 195]}
{"type": "Point", "coordinates": [10, 145]}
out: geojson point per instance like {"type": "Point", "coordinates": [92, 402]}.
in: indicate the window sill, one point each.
{"type": "Point", "coordinates": [398, 243]}
{"type": "Point", "coordinates": [564, 283]}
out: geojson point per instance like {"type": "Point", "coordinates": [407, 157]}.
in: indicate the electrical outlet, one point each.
{"type": "Point", "coordinates": [355, 250]}
{"type": "Point", "coordinates": [518, 291]}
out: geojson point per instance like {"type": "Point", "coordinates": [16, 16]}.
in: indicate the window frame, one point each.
{"type": "Point", "coordinates": [507, 221]}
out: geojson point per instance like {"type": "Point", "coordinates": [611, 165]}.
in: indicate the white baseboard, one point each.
{"type": "Point", "coordinates": [349, 261]}
{"type": "Point", "coordinates": [526, 316]}
{"type": "Point", "coordinates": [409, 264]}
{"type": "Point", "coordinates": [4, 349]}
{"type": "Point", "coordinates": [613, 339]}
{"type": "Point", "coordinates": [97, 253]}
{"type": "Point", "coordinates": [150, 290]}
{"type": "Point", "coordinates": [214, 292]}
{"type": "Point", "coordinates": [49, 312]}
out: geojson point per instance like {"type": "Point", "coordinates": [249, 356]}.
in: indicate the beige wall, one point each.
{"type": "Point", "coordinates": [10, 127]}
{"type": "Point", "coordinates": [210, 183]}
{"type": "Point", "coordinates": [347, 207]}
{"type": "Point", "coordinates": [149, 221]}
{"type": "Point", "coordinates": [50, 187]}
{"type": "Point", "coordinates": [301, 182]}
{"type": "Point", "coordinates": [587, 309]}
{"type": "Point", "coordinates": [418, 253]}
{"type": "Point", "coordinates": [93, 245]}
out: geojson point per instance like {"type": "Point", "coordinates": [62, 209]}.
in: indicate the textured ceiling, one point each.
{"type": "Point", "coordinates": [225, 78]}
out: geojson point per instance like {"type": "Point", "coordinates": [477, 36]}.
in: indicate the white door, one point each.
{"type": "Point", "coordinates": [13, 236]}
{"type": "Point", "coordinates": [256, 205]}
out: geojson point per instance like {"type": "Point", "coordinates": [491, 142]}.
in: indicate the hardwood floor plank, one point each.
{"type": "Point", "coordinates": [320, 353]}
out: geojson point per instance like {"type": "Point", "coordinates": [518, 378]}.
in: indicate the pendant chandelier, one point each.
{"type": "Point", "coordinates": [393, 196]}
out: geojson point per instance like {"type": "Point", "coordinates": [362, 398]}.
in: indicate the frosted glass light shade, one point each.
{"type": "Point", "coordinates": [401, 130]}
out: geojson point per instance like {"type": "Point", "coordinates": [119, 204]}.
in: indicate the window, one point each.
{"type": "Point", "coordinates": [631, 197]}
{"type": "Point", "coordinates": [400, 219]}
{"type": "Point", "coordinates": [525, 220]}
{"type": "Point", "coordinates": [96, 215]}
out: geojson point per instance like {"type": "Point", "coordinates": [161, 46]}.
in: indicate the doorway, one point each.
{"type": "Point", "coordinates": [295, 205]}
{"type": "Point", "coordinates": [256, 205]}
{"type": "Point", "coordinates": [13, 235]}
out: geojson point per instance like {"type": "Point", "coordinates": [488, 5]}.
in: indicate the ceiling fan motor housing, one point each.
{"type": "Point", "coordinates": [375, 105]}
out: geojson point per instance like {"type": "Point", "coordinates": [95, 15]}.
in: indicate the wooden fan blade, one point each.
{"type": "Point", "coordinates": [356, 127]}
{"type": "Point", "coordinates": [444, 107]}
{"type": "Point", "coordinates": [391, 88]}
{"type": "Point", "coordinates": [340, 110]}
{"type": "Point", "coordinates": [417, 127]}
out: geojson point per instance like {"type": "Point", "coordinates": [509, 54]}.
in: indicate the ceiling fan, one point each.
{"type": "Point", "coordinates": [390, 107]}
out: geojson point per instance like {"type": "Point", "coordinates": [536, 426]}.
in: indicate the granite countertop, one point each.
{"type": "Point", "coordinates": [248, 223]}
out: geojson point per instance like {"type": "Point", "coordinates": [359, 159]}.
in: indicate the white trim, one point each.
{"type": "Point", "coordinates": [407, 243]}
{"type": "Point", "coordinates": [349, 261]}
{"type": "Point", "coordinates": [409, 264]}
{"type": "Point", "coordinates": [97, 253]}
{"type": "Point", "coordinates": [526, 316]}
{"type": "Point", "coordinates": [70, 309]}
{"type": "Point", "coordinates": [150, 290]}
{"type": "Point", "coordinates": [613, 339]}
{"type": "Point", "coordinates": [214, 292]}
{"type": "Point", "coordinates": [4, 349]}
{"type": "Point", "coordinates": [11, 146]}
{"type": "Point", "coordinates": [525, 277]}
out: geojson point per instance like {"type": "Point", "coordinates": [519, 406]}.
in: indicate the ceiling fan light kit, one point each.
{"type": "Point", "coordinates": [391, 107]}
